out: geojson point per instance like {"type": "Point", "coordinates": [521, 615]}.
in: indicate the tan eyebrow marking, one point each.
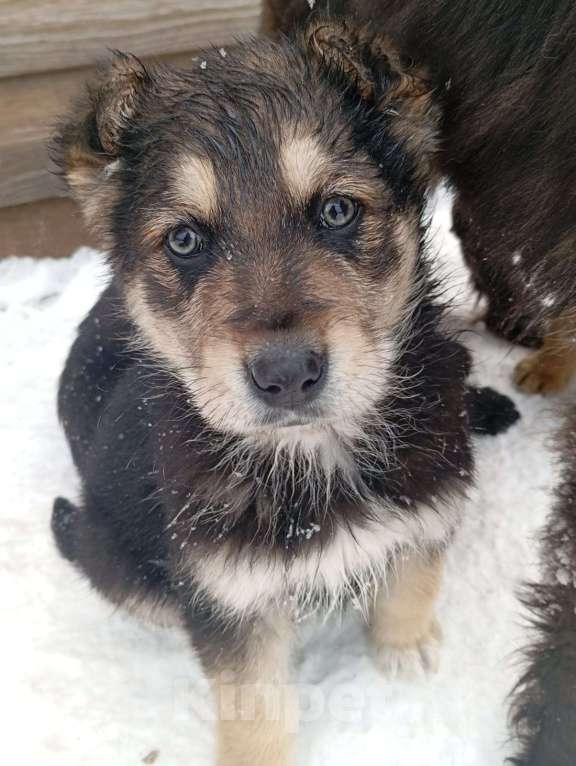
{"type": "Point", "coordinates": [195, 185]}
{"type": "Point", "coordinates": [303, 164]}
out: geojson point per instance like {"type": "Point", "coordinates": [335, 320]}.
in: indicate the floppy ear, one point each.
{"type": "Point", "coordinates": [372, 65]}
{"type": "Point", "coordinates": [87, 146]}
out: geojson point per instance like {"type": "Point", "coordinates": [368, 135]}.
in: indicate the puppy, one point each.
{"type": "Point", "coordinates": [266, 410]}
{"type": "Point", "coordinates": [504, 75]}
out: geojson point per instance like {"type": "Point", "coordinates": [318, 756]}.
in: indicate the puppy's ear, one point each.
{"type": "Point", "coordinates": [87, 147]}
{"type": "Point", "coordinates": [371, 65]}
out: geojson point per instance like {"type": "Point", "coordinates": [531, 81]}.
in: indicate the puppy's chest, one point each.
{"type": "Point", "coordinates": [347, 565]}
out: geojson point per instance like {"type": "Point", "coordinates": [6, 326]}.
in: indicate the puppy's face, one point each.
{"type": "Point", "coordinates": [263, 216]}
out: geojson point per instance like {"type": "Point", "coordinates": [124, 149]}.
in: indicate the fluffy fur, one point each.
{"type": "Point", "coordinates": [200, 502]}
{"type": "Point", "coordinates": [544, 709]}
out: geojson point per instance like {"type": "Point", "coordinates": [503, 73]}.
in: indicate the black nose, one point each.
{"type": "Point", "coordinates": [287, 377]}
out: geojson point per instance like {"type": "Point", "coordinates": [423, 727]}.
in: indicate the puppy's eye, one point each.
{"type": "Point", "coordinates": [184, 242]}
{"type": "Point", "coordinates": [338, 212]}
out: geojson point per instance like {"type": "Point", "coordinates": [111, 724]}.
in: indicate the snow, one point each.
{"type": "Point", "coordinates": [86, 685]}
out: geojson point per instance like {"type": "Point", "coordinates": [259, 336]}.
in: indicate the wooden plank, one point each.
{"type": "Point", "coordinates": [49, 229]}
{"type": "Point", "coordinates": [25, 175]}
{"type": "Point", "coordinates": [44, 35]}
{"type": "Point", "coordinates": [31, 105]}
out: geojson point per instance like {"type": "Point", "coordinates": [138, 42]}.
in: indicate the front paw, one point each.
{"type": "Point", "coordinates": [410, 660]}
{"type": "Point", "coordinates": [538, 374]}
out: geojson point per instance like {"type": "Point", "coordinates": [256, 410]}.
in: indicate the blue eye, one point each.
{"type": "Point", "coordinates": [338, 212]}
{"type": "Point", "coordinates": [184, 242]}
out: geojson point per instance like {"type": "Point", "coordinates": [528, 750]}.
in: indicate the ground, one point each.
{"type": "Point", "coordinates": [85, 685]}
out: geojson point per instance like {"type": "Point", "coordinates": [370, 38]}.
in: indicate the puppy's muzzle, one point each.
{"type": "Point", "coordinates": [287, 377]}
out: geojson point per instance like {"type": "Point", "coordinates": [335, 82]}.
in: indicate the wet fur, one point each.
{"type": "Point", "coordinates": [198, 505]}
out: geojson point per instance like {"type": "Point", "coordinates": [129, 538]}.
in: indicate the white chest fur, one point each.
{"type": "Point", "coordinates": [354, 560]}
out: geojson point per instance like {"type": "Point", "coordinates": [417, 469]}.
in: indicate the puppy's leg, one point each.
{"type": "Point", "coordinates": [403, 630]}
{"type": "Point", "coordinates": [256, 709]}
{"type": "Point", "coordinates": [550, 369]}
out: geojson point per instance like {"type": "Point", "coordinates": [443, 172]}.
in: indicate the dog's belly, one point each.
{"type": "Point", "coordinates": [348, 567]}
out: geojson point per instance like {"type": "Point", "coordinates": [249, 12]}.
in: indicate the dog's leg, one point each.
{"type": "Point", "coordinates": [550, 369]}
{"type": "Point", "coordinates": [255, 704]}
{"type": "Point", "coordinates": [403, 629]}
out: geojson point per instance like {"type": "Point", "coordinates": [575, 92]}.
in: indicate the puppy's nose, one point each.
{"type": "Point", "coordinates": [287, 377]}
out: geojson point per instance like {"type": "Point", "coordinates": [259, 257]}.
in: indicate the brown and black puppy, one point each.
{"type": "Point", "coordinates": [267, 414]}
{"type": "Point", "coordinates": [504, 74]}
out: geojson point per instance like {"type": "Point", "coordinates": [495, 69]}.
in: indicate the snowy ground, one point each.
{"type": "Point", "coordinates": [85, 686]}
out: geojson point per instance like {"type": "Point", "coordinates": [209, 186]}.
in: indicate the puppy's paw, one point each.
{"type": "Point", "coordinates": [489, 413]}
{"type": "Point", "coordinates": [539, 374]}
{"type": "Point", "coordinates": [410, 661]}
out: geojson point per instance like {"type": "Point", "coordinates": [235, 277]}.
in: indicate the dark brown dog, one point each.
{"type": "Point", "coordinates": [544, 709]}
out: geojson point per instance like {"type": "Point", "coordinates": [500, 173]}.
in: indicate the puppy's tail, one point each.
{"type": "Point", "coordinates": [64, 527]}
{"type": "Point", "coordinates": [489, 413]}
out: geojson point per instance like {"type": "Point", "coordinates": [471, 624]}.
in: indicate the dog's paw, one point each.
{"type": "Point", "coordinates": [410, 661]}
{"type": "Point", "coordinates": [537, 374]}
{"type": "Point", "coordinates": [489, 413]}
